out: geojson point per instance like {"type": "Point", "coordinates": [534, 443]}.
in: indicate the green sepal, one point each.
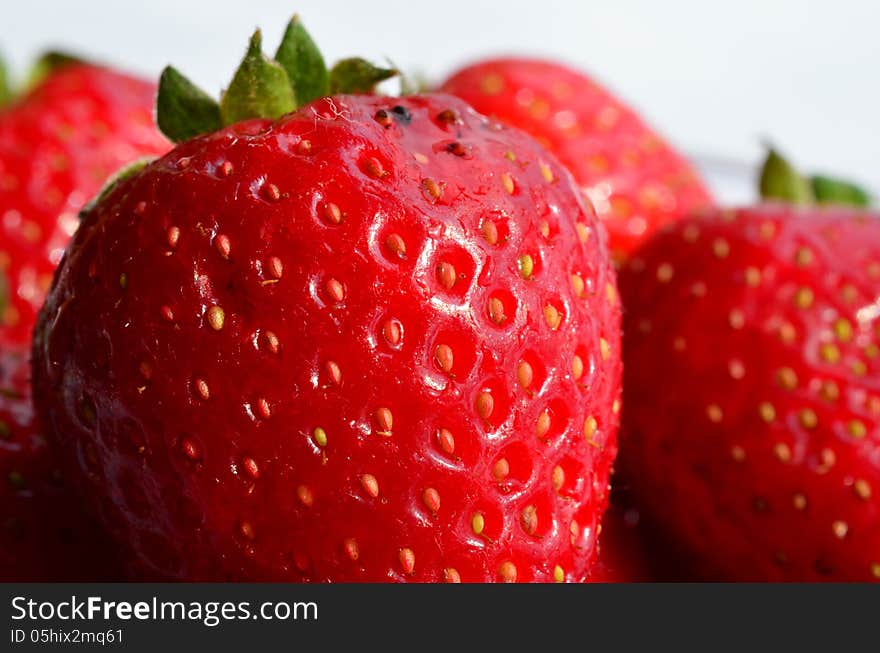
{"type": "Point", "coordinates": [125, 172]}
{"type": "Point", "coordinates": [183, 110]}
{"type": "Point", "coordinates": [304, 64]}
{"type": "Point", "coordinates": [357, 75]}
{"type": "Point", "coordinates": [829, 190]}
{"type": "Point", "coordinates": [47, 64]}
{"type": "Point", "coordinates": [259, 89]}
{"type": "Point", "coordinates": [780, 181]}
{"type": "Point", "coordinates": [5, 90]}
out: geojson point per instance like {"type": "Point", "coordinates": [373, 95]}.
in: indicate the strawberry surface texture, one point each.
{"type": "Point", "coordinates": [751, 431]}
{"type": "Point", "coordinates": [376, 339]}
{"type": "Point", "coordinates": [635, 179]}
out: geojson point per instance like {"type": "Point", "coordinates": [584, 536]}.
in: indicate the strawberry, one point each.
{"type": "Point", "coordinates": [44, 535]}
{"type": "Point", "coordinates": [753, 421]}
{"type": "Point", "coordinates": [375, 339]}
{"type": "Point", "coordinates": [636, 181]}
{"type": "Point", "coordinates": [58, 144]}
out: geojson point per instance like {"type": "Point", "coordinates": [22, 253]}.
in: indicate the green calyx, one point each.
{"type": "Point", "coordinates": [47, 64]}
{"type": "Point", "coordinates": [5, 91]}
{"type": "Point", "coordinates": [42, 68]}
{"type": "Point", "coordinates": [781, 181]}
{"type": "Point", "coordinates": [261, 87]}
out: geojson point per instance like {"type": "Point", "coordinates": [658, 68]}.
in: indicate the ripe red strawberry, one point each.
{"type": "Point", "coordinates": [753, 421]}
{"type": "Point", "coordinates": [376, 339]}
{"type": "Point", "coordinates": [58, 145]}
{"type": "Point", "coordinates": [44, 535]}
{"type": "Point", "coordinates": [636, 181]}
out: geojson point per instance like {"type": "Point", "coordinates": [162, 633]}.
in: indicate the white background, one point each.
{"type": "Point", "coordinates": [715, 77]}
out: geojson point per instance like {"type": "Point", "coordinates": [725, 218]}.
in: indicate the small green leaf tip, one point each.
{"type": "Point", "coordinates": [780, 181]}
{"type": "Point", "coordinates": [182, 109]}
{"type": "Point", "coordinates": [259, 89]}
{"type": "Point", "coordinates": [48, 63]}
{"type": "Point", "coordinates": [357, 76]}
{"type": "Point", "coordinates": [5, 90]}
{"type": "Point", "coordinates": [305, 66]}
{"type": "Point", "coordinates": [829, 190]}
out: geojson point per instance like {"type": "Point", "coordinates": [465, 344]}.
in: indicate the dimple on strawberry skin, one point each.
{"type": "Point", "coordinates": [375, 339]}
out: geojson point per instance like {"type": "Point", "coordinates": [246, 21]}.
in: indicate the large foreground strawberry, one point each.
{"type": "Point", "coordinates": [376, 339]}
{"type": "Point", "coordinates": [636, 180]}
{"type": "Point", "coordinates": [58, 145]}
{"type": "Point", "coordinates": [44, 535]}
{"type": "Point", "coordinates": [752, 429]}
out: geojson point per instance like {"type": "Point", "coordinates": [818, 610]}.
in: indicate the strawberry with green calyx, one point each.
{"type": "Point", "coordinates": [375, 339]}
{"type": "Point", "coordinates": [753, 413]}
{"type": "Point", "coordinates": [262, 87]}
{"type": "Point", "coordinates": [636, 180]}
{"type": "Point", "coordinates": [75, 125]}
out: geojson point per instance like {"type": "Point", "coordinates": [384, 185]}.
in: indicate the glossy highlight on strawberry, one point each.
{"type": "Point", "coordinates": [376, 339]}
{"type": "Point", "coordinates": [759, 455]}
{"type": "Point", "coordinates": [58, 145]}
{"type": "Point", "coordinates": [636, 180]}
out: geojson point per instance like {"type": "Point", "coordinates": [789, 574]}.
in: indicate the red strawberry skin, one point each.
{"type": "Point", "coordinates": [636, 181]}
{"type": "Point", "coordinates": [58, 145]}
{"type": "Point", "coordinates": [315, 350]}
{"type": "Point", "coordinates": [44, 535]}
{"type": "Point", "coordinates": [751, 430]}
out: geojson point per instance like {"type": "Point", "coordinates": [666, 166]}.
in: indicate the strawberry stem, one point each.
{"type": "Point", "coordinates": [780, 180]}
{"type": "Point", "coordinates": [262, 87]}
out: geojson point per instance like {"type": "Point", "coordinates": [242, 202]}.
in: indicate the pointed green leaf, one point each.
{"type": "Point", "coordinates": [305, 67]}
{"type": "Point", "coordinates": [357, 76]}
{"type": "Point", "coordinates": [5, 90]}
{"type": "Point", "coordinates": [49, 63]}
{"type": "Point", "coordinates": [183, 110]}
{"type": "Point", "coordinates": [829, 190]}
{"type": "Point", "coordinates": [259, 89]}
{"type": "Point", "coordinates": [780, 181]}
